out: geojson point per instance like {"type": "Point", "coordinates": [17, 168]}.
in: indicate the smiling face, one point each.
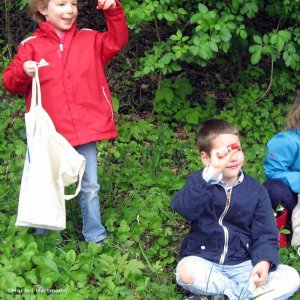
{"type": "Point", "coordinates": [61, 13]}
{"type": "Point", "coordinates": [232, 170]}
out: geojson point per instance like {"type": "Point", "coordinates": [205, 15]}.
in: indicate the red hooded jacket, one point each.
{"type": "Point", "coordinates": [75, 91]}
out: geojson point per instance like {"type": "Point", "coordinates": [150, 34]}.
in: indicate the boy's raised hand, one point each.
{"type": "Point", "coordinates": [219, 158]}
{"type": "Point", "coordinates": [106, 4]}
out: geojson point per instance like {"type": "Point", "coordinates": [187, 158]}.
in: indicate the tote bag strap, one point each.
{"type": "Point", "coordinates": [36, 100]}
{"type": "Point", "coordinates": [36, 97]}
{"type": "Point", "coordinates": [80, 174]}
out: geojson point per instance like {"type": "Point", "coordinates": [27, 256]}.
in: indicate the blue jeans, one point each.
{"type": "Point", "coordinates": [92, 228]}
{"type": "Point", "coordinates": [214, 279]}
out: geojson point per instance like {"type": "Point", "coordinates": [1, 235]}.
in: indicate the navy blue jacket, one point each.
{"type": "Point", "coordinates": [228, 228]}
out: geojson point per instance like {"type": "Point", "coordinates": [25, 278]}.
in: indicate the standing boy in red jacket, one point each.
{"type": "Point", "coordinates": [74, 87]}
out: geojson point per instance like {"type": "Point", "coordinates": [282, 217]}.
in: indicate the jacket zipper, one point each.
{"type": "Point", "coordinates": [60, 50]}
{"type": "Point", "coordinates": [226, 235]}
{"type": "Point", "coordinates": [106, 99]}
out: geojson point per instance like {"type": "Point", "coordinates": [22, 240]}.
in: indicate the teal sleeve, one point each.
{"type": "Point", "coordinates": [282, 160]}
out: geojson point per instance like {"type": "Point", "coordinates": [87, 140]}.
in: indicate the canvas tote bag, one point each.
{"type": "Point", "coordinates": [51, 164]}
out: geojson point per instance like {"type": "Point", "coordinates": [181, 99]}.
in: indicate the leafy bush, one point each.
{"type": "Point", "coordinates": [186, 62]}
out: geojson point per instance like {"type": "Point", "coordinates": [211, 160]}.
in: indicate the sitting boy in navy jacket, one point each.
{"type": "Point", "coordinates": [231, 248]}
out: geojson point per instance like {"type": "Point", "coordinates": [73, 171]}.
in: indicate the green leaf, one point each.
{"type": "Point", "coordinates": [116, 104]}
{"type": "Point", "coordinates": [124, 227]}
{"type": "Point", "coordinates": [217, 27]}
{"type": "Point", "coordinates": [133, 267]}
{"type": "Point", "coordinates": [163, 252]}
{"type": "Point", "coordinates": [165, 93]}
{"type": "Point", "coordinates": [169, 16]}
{"type": "Point", "coordinates": [179, 34]}
{"type": "Point", "coordinates": [162, 241]}
{"type": "Point", "coordinates": [279, 44]}
{"type": "Point", "coordinates": [166, 58]}
{"type": "Point", "coordinates": [243, 34]}
{"type": "Point", "coordinates": [255, 57]}
{"type": "Point", "coordinates": [71, 256]}
{"type": "Point", "coordinates": [225, 34]}
{"type": "Point", "coordinates": [192, 117]}
{"type": "Point", "coordinates": [195, 18]}
{"type": "Point", "coordinates": [253, 6]}
{"type": "Point", "coordinates": [273, 39]}
{"type": "Point", "coordinates": [203, 52]}
{"type": "Point", "coordinates": [174, 37]}
{"type": "Point", "coordinates": [267, 49]}
{"type": "Point", "coordinates": [257, 39]}
{"type": "Point", "coordinates": [254, 48]}
{"type": "Point", "coordinates": [231, 25]}
{"type": "Point", "coordinates": [235, 4]}
{"type": "Point", "coordinates": [285, 35]}
{"type": "Point", "coordinates": [288, 60]}
{"type": "Point", "coordinates": [202, 8]}
{"type": "Point", "coordinates": [213, 46]}
{"type": "Point", "coordinates": [196, 40]}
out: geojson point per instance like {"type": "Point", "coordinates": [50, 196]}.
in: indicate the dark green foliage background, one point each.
{"type": "Point", "coordinates": [185, 62]}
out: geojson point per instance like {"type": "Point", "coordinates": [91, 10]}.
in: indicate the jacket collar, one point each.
{"type": "Point", "coordinates": [228, 187]}
{"type": "Point", "coordinates": [47, 29]}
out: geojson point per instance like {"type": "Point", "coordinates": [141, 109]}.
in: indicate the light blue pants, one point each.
{"type": "Point", "coordinates": [232, 281]}
{"type": "Point", "coordinates": [92, 228]}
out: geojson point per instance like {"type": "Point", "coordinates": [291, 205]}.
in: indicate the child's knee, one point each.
{"type": "Point", "coordinates": [186, 271]}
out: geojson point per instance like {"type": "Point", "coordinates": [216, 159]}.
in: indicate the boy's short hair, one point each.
{"type": "Point", "coordinates": [209, 130]}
